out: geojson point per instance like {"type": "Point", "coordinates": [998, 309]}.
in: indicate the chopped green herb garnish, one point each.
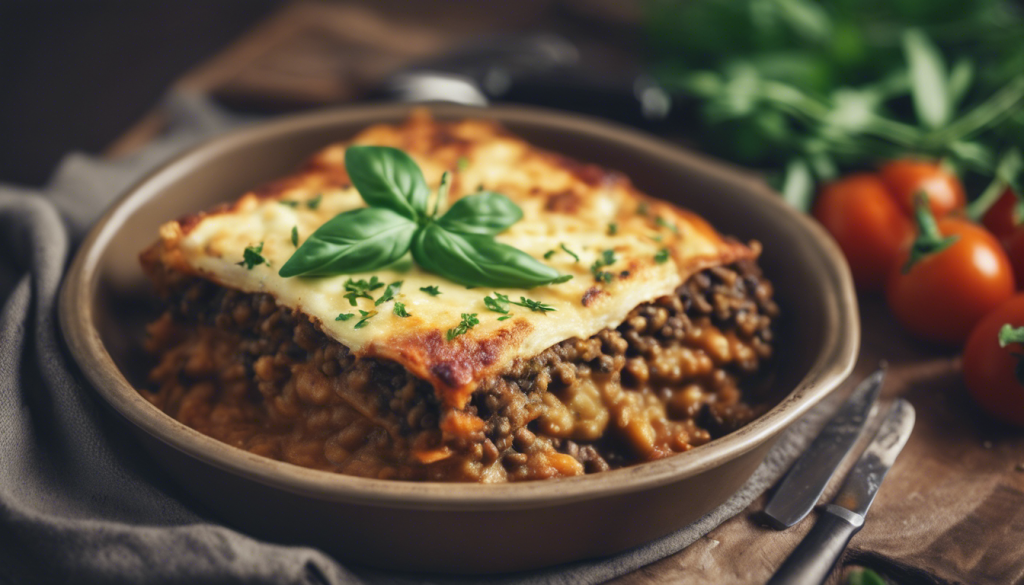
{"type": "Point", "coordinates": [666, 224]}
{"type": "Point", "coordinates": [468, 322]}
{"type": "Point", "coordinates": [642, 209]}
{"type": "Point", "coordinates": [252, 256]}
{"type": "Point", "coordinates": [656, 237]}
{"type": "Point", "coordinates": [431, 290]}
{"type": "Point", "coordinates": [462, 164]}
{"type": "Point", "coordinates": [549, 254]}
{"type": "Point", "coordinates": [364, 320]}
{"type": "Point", "coordinates": [569, 252]}
{"type": "Point", "coordinates": [389, 293]}
{"type": "Point", "coordinates": [533, 305]}
{"type": "Point", "coordinates": [344, 316]}
{"type": "Point", "coordinates": [607, 259]}
{"type": "Point", "coordinates": [399, 309]}
{"type": "Point", "coordinates": [295, 236]}
{"type": "Point", "coordinates": [498, 304]}
{"type": "Point", "coordinates": [613, 228]}
{"type": "Point", "coordinates": [361, 289]}
{"type": "Point", "coordinates": [315, 202]}
{"type": "Point", "coordinates": [503, 317]}
{"type": "Point", "coordinates": [292, 204]}
{"type": "Point", "coordinates": [662, 256]}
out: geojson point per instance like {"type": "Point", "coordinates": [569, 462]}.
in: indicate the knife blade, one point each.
{"type": "Point", "coordinates": [799, 491]}
{"type": "Point", "coordinates": [817, 554]}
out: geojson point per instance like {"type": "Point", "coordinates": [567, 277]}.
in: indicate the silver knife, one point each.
{"type": "Point", "coordinates": [817, 554]}
{"type": "Point", "coordinates": [799, 491]}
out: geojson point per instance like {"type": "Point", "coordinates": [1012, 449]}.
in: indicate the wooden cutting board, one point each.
{"type": "Point", "coordinates": [950, 511]}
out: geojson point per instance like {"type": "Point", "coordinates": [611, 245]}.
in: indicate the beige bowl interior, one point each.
{"type": "Point", "coordinates": [443, 527]}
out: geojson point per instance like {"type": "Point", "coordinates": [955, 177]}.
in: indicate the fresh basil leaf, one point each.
{"type": "Point", "coordinates": [475, 260]}
{"type": "Point", "coordinates": [387, 177]}
{"type": "Point", "coordinates": [360, 240]}
{"type": "Point", "coordinates": [486, 213]}
{"type": "Point", "coordinates": [929, 86]}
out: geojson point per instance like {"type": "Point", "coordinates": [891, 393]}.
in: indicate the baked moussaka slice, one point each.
{"type": "Point", "coordinates": [405, 371]}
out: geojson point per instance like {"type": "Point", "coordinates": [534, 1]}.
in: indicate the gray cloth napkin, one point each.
{"type": "Point", "coordinates": [80, 502]}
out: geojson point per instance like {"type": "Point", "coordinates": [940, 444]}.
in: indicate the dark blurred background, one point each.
{"type": "Point", "coordinates": [803, 90]}
{"type": "Point", "coordinates": [77, 74]}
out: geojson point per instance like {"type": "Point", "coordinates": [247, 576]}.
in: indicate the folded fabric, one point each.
{"type": "Point", "coordinates": [80, 501]}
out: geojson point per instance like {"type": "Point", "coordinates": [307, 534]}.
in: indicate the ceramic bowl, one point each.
{"type": "Point", "coordinates": [444, 527]}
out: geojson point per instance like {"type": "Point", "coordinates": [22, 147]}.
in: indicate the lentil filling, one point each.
{"type": "Point", "coordinates": [260, 377]}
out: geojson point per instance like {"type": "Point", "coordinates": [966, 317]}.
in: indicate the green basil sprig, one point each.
{"type": "Point", "coordinates": [459, 245]}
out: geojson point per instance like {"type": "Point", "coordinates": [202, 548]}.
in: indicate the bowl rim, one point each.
{"type": "Point", "coordinates": [834, 361]}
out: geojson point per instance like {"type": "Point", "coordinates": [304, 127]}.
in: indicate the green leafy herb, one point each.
{"type": "Point", "coordinates": [389, 293]}
{"type": "Point", "coordinates": [499, 303]}
{"type": "Point", "coordinates": [459, 245]}
{"type": "Point", "coordinates": [929, 86]}
{"type": "Point", "coordinates": [295, 236]}
{"type": "Point", "coordinates": [431, 290]}
{"type": "Point", "coordinates": [613, 228]}
{"type": "Point", "coordinates": [469, 321]}
{"type": "Point", "coordinates": [462, 164]}
{"type": "Point", "coordinates": [292, 204]}
{"type": "Point", "coordinates": [252, 256]}
{"type": "Point", "coordinates": [485, 213]}
{"type": "Point", "coordinates": [364, 319]}
{"type": "Point", "coordinates": [361, 289]}
{"type": "Point", "coordinates": [661, 221]}
{"type": "Point", "coordinates": [504, 317]}
{"type": "Point", "coordinates": [535, 306]}
{"type": "Point", "coordinates": [607, 259]}
{"type": "Point", "coordinates": [388, 178]}
{"type": "Point", "coordinates": [774, 86]}
{"type": "Point", "coordinates": [344, 316]}
{"type": "Point", "coordinates": [662, 256]}
{"type": "Point", "coordinates": [314, 203]}
{"type": "Point", "coordinates": [570, 252]}
{"type": "Point", "coordinates": [476, 260]}
{"type": "Point", "coordinates": [361, 240]}
{"type": "Point", "coordinates": [549, 254]}
{"type": "Point", "coordinates": [399, 309]}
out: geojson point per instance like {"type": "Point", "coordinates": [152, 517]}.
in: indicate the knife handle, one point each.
{"type": "Point", "coordinates": [817, 554]}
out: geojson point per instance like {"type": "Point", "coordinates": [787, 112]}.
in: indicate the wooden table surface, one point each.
{"type": "Point", "coordinates": [952, 508]}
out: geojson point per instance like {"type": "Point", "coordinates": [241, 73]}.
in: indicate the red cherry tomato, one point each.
{"type": "Point", "coordinates": [946, 293]}
{"type": "Point", "coordinates": [868, 225]}
{"type": "Point", "coordinates": [999, 219]}
{"type": "Point", "coordinates": [989, 370]}
{"type": "Point", "coordinates": [906, 177]}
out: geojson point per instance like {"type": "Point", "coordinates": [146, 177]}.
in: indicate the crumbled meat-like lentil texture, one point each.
{"type": "Point", "coordinates": [260, 377]}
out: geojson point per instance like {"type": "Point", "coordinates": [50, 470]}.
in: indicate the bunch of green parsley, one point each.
{"type": "Point", "coordinates": [810, 89]}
